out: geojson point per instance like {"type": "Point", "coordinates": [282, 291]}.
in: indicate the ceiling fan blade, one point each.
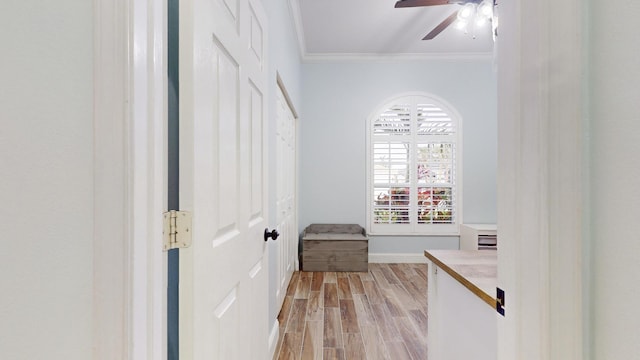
{"type": "Point", "coordinates": [443, 25]}
{"type": "Point", "coordinates": [414, 3]}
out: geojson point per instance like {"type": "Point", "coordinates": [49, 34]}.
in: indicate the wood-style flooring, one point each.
{"type": "Point", "coordinates": [380, 314]}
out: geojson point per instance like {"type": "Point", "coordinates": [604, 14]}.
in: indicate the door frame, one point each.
{"type": "Point", "coordinates": [129, 277]}
{"type": "Point", "coordinates": [542, 180]}
{"type": "Point", "coordinates": [129, 151]}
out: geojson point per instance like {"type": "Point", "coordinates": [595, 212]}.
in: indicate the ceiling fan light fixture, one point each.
{"type": "Point", "coordinates": [461, 24]}
{"type": "Point", "coordinates": [472, 15]}
{"type": "Point", "coordinates": [485, 9]}
{"type": "Point", "coordinates": [481, 21]}
{"type": "Point", "coordinates": [466, 12]}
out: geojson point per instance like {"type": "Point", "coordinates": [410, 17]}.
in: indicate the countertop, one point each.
{"type": "Point", "coordinates": [476, 270]}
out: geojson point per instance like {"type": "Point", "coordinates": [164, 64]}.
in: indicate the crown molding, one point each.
{"type": "Point", "coordinates": [385, 57]}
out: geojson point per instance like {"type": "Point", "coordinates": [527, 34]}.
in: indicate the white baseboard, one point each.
{"type": "Point", "coordinates": [412, 258]}
{"type": "Point", "coordinates": [273, 338]}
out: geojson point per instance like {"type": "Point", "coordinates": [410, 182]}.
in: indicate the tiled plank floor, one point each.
{"type": "Point", "coordinates": [381, 314]}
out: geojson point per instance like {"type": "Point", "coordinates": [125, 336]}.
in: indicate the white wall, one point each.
{"type": "Point", "coordinates": [338, 98]}
{"type": "Point", "coordinates": [615, 179]}
{"type": "Point", "coordinates": [46, 179]}
{"type": "Point", "coordinates": [284, 60]}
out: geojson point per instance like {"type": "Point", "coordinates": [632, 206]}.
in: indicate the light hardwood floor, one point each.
{"type": "Point", "coordinates": [380, 314]}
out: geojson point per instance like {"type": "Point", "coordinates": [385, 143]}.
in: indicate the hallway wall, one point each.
{"type": "Point", "coordinates": [46, 179]}
{"type": "Point", "coordinates": [614, 156]}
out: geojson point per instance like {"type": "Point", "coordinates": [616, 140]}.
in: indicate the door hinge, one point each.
{"type": "Point", "coordinates": [176, 230]}
{"type": "Point", "coordinates": [500, 301]}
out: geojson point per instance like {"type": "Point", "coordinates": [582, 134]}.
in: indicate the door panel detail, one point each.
{"type": "Point", "coordinates": [228, 152]}
{"type": "Point", "coordinates": [232, 7]}
{"type": "Point", "coordinates": [256, 154]}
{"type": "Point", "coordinates": [256, 37]}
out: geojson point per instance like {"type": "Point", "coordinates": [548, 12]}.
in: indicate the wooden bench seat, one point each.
{"type": "Point", "coordinates": [335, 247]}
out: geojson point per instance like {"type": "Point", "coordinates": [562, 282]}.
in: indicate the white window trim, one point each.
{"type": "Point", "coordinates": [415, 229]}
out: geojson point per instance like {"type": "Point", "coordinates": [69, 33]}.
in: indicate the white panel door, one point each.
{"type": "Point", "coordinates": [223, 275]}
{"type": "Point", "coordinates": [286, 194]}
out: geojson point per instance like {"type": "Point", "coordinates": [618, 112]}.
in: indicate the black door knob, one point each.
{"type": "Point", "coordinates": [273, 234]}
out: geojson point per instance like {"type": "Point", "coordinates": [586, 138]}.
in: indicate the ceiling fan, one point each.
{"type": "Point", "coordinates": [478, 10]}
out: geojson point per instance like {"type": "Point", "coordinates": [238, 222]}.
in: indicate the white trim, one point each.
{"type": "Point", "coordinates": [148, 183]}
{"type": "Point", "coordinates": [287, 98]}
{"type": "Point", "coordinates": [564, 135]}
{"type": "Point", "coordinates": [393, 232]}
{"type": "Point", "coordinates": [414, 228]}
{"type": "Point", "coordinates": [129, 102]}
{"type": "Point", "coordinates": [386, 57]}
{"type": "Point", "coordinates": [273, 338]}
{"type": "Point", "coordinates": [383, 258]}
{"type": "Point", "coordinates": [296, 16]}
{"type": "Point", "coordinates": [540, 165]}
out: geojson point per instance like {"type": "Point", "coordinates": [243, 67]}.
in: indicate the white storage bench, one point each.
{"type": "Point", "coordinates": [335, 247]}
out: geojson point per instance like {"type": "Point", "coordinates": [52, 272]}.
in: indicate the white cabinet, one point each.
{"type": "Point", "coordinates": [462, 318]}
{"type": "Point", "coordinates": [478, 236]}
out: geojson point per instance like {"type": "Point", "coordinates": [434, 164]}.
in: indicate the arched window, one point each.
{"type": "Point", "coordinates": [414, 167]}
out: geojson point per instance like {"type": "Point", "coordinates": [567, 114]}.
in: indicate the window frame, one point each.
{"type": "Point", "coordinates": [413, 227]}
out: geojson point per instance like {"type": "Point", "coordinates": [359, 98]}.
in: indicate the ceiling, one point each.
{"type": "Point", "coordinates": [376, 28]}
